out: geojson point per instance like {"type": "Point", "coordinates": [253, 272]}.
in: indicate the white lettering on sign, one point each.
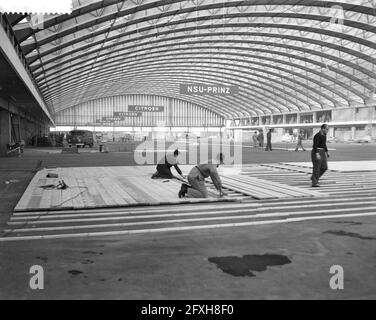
{"type": "Point", "coordinates": [196, 89]}
{"type": "Point", "coordinates": [145, 109]}
{"type": "Point", "coordinates": [112, 119]}
{"type": "Point", "coordinates": [127, 114]}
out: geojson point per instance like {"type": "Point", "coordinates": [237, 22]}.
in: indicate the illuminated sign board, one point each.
{"type": "Point", "coordinates": [145, 109]}
{"type": "Point", "coordinates": [127, 114]}
{"type": "Point", "coordinates": [112, 119]}
{"type": "Point", "coordinates": [210, 90]}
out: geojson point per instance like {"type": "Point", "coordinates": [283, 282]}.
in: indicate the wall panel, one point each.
{"type": "Point", "coordinates": [177, 113]}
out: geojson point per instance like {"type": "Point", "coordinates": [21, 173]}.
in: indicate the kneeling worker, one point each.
{"type": "Point", "coordinates": [196, 179]}
{"type": "Point", "coordinates": [164, 167]}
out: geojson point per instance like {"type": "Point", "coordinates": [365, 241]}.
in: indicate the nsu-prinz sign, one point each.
{"type": "Point", "coordinates": [210, 90]}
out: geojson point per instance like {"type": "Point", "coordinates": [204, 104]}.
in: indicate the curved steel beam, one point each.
{"type": "Point", "coordinates": [173, 62]}
{"type": "Point", "coordinates": [85, 9]}
{"type": "Point", "coordinates": [68, 75]}
{"type": "Point", "coordinates": [294, 66]}
{"type": "Point", "coordinates": [204, 76]}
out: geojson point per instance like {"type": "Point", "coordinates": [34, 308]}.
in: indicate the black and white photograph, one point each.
{"type": "Point", "coordinates": [187, 155]}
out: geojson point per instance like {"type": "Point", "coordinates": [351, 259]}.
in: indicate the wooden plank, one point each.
{"type": "Point", "coordinates": [251, 187]}
{"type": "Point", "coordinates": [46, 199]}
{"type": "Point", "coordinates": [257, 183]}
{"type": "Point", "coordinates": [277, 187]}
{"type": "Point", "coordinates": [105, 195]}
{"type": "Point", "coordinates": [298, 190]}
{"type": "Point", "coordinates": [26, 197]}
{"type": "Point", "coordinates": [289, 168]}
{"type": "Point", "coordinates": [254, 192]}
{"type": "Point", "coordinates": [156, 188]}
{"type": "Point", "coordinates": [75, 192]}
{"type": "Point", "coordinates": [132, 192]}
{"type": "Point", "coordinates": [93, 197]}
{"type": "Point", "coordinates": [120, 194]}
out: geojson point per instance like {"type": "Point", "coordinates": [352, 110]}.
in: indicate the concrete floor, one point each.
{"type": "Point", "coordinates": [183, 265]}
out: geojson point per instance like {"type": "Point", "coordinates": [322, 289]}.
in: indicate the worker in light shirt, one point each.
{"type": "Point", "coordinates": [196, 179]}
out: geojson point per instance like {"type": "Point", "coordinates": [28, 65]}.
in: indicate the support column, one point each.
{"type": "Point", "coordinates": [4, 131]}
{"type": "Point", "coordinates": [371, 102]}
{"type": "Point", "coordinates": [314, 116]}
{"type": "Point", "coordinates": [298, 118]}
{"type": "Point", "coordinates": [284, 119]}
{"type": "Point", "coordinates": [353, 132]}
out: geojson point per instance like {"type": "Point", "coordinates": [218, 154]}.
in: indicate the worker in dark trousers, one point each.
{"type": "Point", "coordinates": [261, 139]}
{"type": "Point", "coordinates": [319, 155]}
{"type": "Point", "coordinates": [255, 139]}
{"type": "Point", "coordinates": [196, 179]}
{"type": "Point", "coordinates": [269, 140]}
{"type": "Point", "coordinates": [164, 167]}
{"type": "Point", "coordinates": [300, 141]}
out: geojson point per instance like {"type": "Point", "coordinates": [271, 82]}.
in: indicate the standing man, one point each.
{"type": "Point", "coordinates": [320, 155]}
{"type": "Point", "coordinates": [261, 139]}
{"type": "Point", "coordinates": [300, 141]}
{"type": "Point", "coordinates": [269, 140]}
{"type": "Point", "coordinates": [196, 179]}
{"type": "Point", "coordinates": [255, 140]}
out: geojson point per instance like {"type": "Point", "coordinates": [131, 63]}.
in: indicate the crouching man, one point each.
{"type": "Point", "coordinates": [196, 179]}
{"type": "Point", "coordinates": [164, 167]}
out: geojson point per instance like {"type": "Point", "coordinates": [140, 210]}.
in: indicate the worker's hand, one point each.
{"type": "Point", "coordinates": [318, 157]}
{"type": "Point", "coordinates": [222, 194]}
{"type": "Point", "coordinates": [327, 154]}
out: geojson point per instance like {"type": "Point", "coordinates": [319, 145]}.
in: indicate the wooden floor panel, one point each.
{"type": "Point", "coordinates": [103, 187]}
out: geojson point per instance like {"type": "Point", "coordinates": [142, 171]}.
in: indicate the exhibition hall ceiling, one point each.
{"type": "Point", "coordinates": [282, 55]}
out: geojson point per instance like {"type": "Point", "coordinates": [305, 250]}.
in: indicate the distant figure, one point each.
{"type": "Point", "coordinates": [196, 179]}
{"type": "Point", "coordinates": [295, 136]}
{"type": "Point", "coordinates": [319, 155]}
{"type": "Point", "coordinates": [300, 141]}
{"type": "Point", "coordinates": [164, 167]}
{"type": "Point", "coordinates": [261, 139]}
{"type": "Point", "coordinates": [269, 140]}
{"type": "Point", "coordinates": [255, 140]}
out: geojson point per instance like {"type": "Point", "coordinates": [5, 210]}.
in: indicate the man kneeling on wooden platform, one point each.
{"type": "Point", "coordinates": [164, 167]}
{"type": "Point", "coordinates": [196, 179]}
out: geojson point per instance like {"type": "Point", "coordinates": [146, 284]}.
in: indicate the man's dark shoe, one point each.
{"type": "Point", "coordinates": [316, 186]}
{"type": "Point", "coordinates": [183, 191]}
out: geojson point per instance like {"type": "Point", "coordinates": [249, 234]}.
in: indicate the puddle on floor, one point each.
{"type": "Point", "coordinates": [243, 266]}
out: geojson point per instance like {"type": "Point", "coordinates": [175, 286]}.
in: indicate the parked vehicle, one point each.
{"type": "Point", "coordinates": [80, 138]}
{"type": "Point", "coordinates": [364, 139]}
